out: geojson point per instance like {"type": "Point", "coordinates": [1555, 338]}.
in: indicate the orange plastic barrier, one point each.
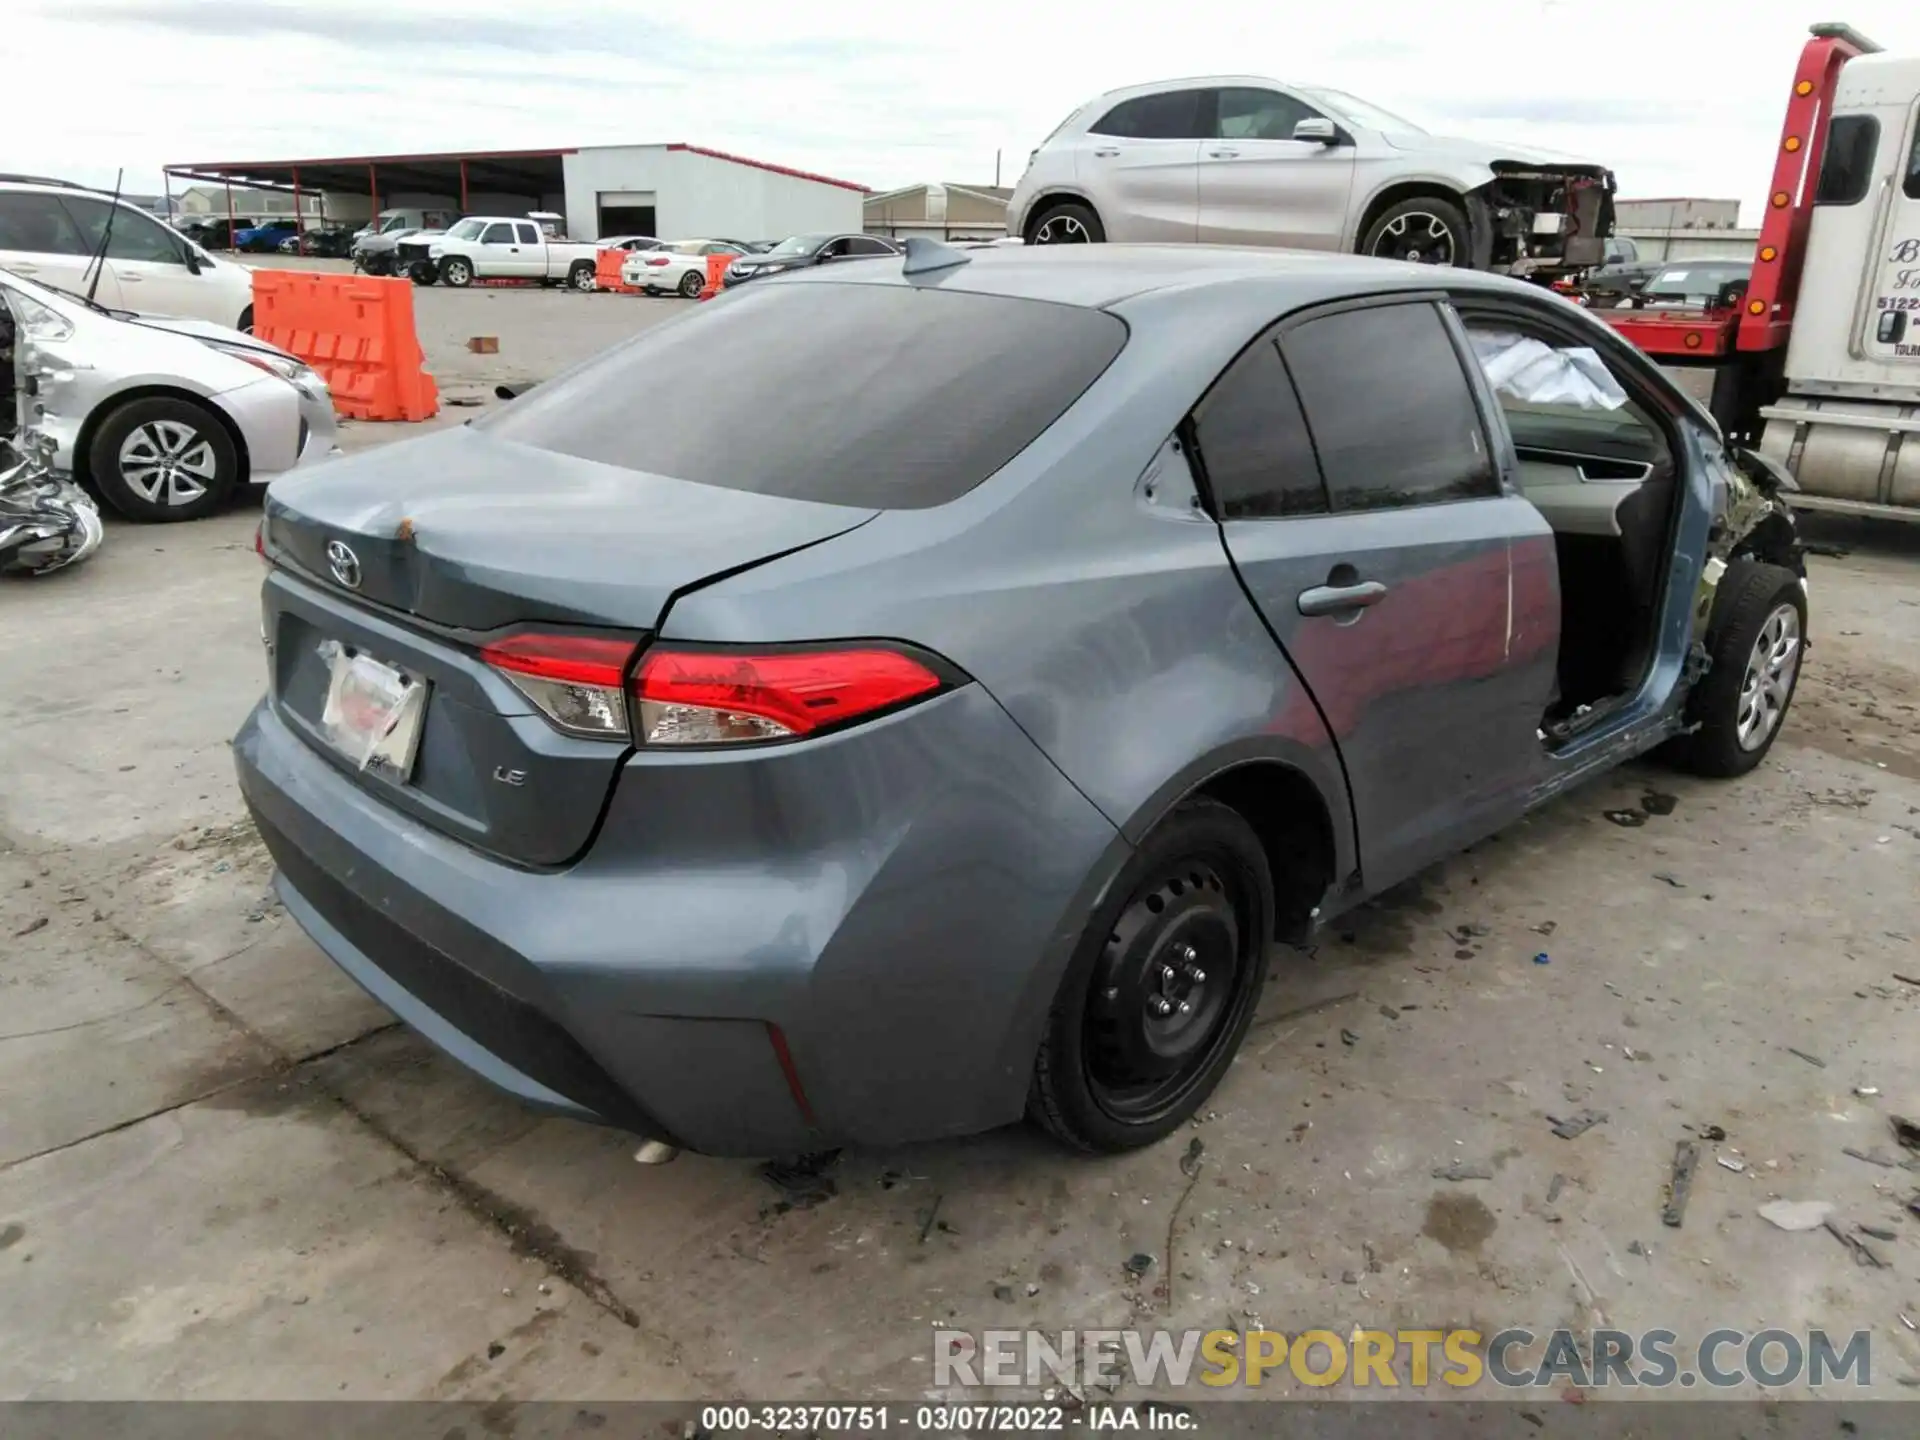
{"type": "Point", "coordinates": [357, 331]}
{"type": "Point", "coordinates": [716, 267]}
{"type": "Point", "coordinates": [606, 272]}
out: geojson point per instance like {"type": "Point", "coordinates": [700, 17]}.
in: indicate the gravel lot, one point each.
{"type": "Point", "coordinates": [224, 1172]}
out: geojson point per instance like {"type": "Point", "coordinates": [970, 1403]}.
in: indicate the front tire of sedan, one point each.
{"type": "Point", "coordinates": [1066, 222]}
{"type": "Point", "coordinates": [456, 271]}
{"type": "Point", "coordinates": [1425, 230]}
{"type": "Point", "coordinates": [1161, 988]}
{"type": "Point", "coordinates": [1755, 638]}
{"type": "Point", "coordinates": [163, 459]}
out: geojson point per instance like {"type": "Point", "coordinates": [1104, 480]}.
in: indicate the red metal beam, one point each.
{"type": "Point", "coordinates": [299, 220]}
{"type": "Point", "coordinates": [464, 207]}
{"type": "Point", "coordinates": [1767, 314]}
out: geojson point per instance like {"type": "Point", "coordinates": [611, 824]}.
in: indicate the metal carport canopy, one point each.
{"type": "Point", "coordinates": [513, 172]}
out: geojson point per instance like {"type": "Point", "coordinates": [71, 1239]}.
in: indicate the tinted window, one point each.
{"type": "Point", "coordinates": [1910, 187]}
{"type": "Point", "coordinates": [1259, 115]}
{"type": "Point", "coordinates": [529, 234]}
{"type": "Point", "coordinates": [137, 238]}
{"type": "Point", "coordinates": [1393, 418]}
{"type": "Point", "coordinates": [891, 396]}
{"type": "Point", "coordinates": [1171, 116]}
{"type": "Point", "coordinates": [865, 245]}
{"type": "Point", "coordinates": [1848, 165]}
{"type": "Point", "coordinates": [1254, 444]}
{"type": "Point", "coordinates": [38, 225]}
{"type": "Point", "coordinates": [498, 235]}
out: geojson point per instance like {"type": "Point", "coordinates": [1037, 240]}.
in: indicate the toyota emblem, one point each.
{"type": "Point", "coordinates": [344, 564]}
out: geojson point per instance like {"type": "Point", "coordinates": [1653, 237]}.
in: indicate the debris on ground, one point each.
{"type": "Point", "coordinates": [1347, 1037]}
{"type": "Point", "coordinates": [1630, 819]}
{"type": "Point", "coordinates": [933, 1214]}
{"type": "Point", "coordinates": [1575, 1125]}
{"type": "Point", "coordinates": [803, 1181]}
{"type": "Point", "coordinates": [1866, 1092]}
{"type": "Point", "coordinates": [1543, 958]}
{"type": "Point", "coordinates": [1464, 933]}
{"type": "Point", "coordinates": [1003, 1293]}
{"type": "Point", "coordinates": [32, 926]}
{"type": "Point", "coordinates": [1546, 927]}
{"type": "Point", "coordinates": [1877, 1233]}
{"type": "Point", "coordinates": [1796, 1214]}
{"type": "Point", "coordinates": [1905, 1131]}
{"type": "Point", "coordinates": [1389, 1012]}
{"type": "Point", "coordinates": [1862, 1252]}
{"type": "Point", "coordinates": [484, 344]}
{"type": "Point", "coordinates": [1715, 1133]}
{"type": "Point", "coordinates": [1634, 1247]}
{"type": "Point", "coordinates": [1905, 979]}
{"type": "Point", "coordinates": [1190, 1162]}
{"type": "Point", "coordinates": [1554, 1187]}
{"type": "Point", "coordinates": [1686, 1159]}
{"type": "Point", "coordinates": [1461, 1170]}
{"type": "Point", "coordinates": [1139, 1264]}
{"type": "Point", "coordinates": [1667, 879]}
{"type": "Point", "coordinates": [1813, 1060]}
{"type": "Point", "coordinates": [1738, 1167]}
{"type": "Point", "coordinates": [1875, 1156]}
{"type": "Point", "coordinates": [1656, 802]}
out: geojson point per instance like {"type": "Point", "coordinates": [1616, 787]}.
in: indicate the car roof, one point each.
{"type": "Point", "coordinates": [1099, 276]}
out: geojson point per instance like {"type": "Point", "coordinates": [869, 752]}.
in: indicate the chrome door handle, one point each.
{"type": "Point", "coordinates": [1334, 599]}
{"type": "Point", "coordinates": [129, 278]}
{"type": "Point", "coordinates": [1224, 154]}
{"type": "Point", "coordinates": [1107, 153]}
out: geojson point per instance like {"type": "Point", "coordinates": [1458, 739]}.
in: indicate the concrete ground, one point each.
{"type": "Point", "coordinates": [226, 1173]}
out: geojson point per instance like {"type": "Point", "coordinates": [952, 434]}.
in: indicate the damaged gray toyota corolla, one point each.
{"type": "Point", "coordinates": [943, 727]}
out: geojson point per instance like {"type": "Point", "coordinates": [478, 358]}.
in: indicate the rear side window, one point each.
{"type": "Point", "coordinates": [1174, 115]}
{"type": "Point", "coordinates": [1910, 187]}
{"type": "Point", "coordinates": [1254, 444]}
{"type": "Point", "coordinates": [529, 234]}
{"type": "Point", "coordinates": [1847, 168]}
{"type": "Point", "coordinates": [1393, 418]}
{"type": "Point", "coordinates": [38, 225]}
{"type": "Point", "coordinates": [889, 396]}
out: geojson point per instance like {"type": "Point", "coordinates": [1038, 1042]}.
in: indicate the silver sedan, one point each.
{"type": "Point", "coordinates": [165, 417]}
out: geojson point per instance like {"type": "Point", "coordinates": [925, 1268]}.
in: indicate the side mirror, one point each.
{"type": "Point", "coordinates": [192, 260]}
{"type": "Point", "coordinates": [1317, 129]}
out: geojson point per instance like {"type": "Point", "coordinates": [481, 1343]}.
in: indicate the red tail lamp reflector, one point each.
{"type": "Point", "coordinates": [718, 697]}
{"type": "Point", "coordinates": [574, 680]}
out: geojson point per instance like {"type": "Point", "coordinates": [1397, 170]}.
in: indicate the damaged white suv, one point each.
{"type": "Point", "coordinates": [1241, 160]}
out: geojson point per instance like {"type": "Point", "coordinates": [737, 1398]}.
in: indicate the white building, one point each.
{"type": "Point", "coordinates": [676, 192]}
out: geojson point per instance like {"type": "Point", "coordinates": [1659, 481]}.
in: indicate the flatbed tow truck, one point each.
{"type": "Point", "coordinates": [1819, 360]}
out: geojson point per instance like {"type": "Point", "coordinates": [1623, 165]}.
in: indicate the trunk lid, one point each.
{"type": "Point", "coordinates": [465, 530]}
{"type": "Point", "coordinates": [458, 536]}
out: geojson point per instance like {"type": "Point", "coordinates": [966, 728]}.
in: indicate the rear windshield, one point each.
{"type": "Point", "coordinates": [886, 396]}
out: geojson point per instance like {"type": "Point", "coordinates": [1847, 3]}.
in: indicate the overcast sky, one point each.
{"type": "Point", "coordinates": [1680, 97]}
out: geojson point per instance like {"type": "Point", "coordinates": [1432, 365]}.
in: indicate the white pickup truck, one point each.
{"type": "Point", "coordinates": [507, 247]}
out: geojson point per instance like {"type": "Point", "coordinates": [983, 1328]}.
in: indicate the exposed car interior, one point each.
{"type": "Point", "coordinates": [1600, 469]}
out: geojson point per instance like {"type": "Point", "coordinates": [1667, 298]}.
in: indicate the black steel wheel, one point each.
{"type": "Point", "coordinates": [1162, 987]}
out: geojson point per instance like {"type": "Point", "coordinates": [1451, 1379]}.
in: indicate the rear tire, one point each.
{"type": "Point", "coordinates": [581, 276]}
{"type": "Point", "coordinates": [1066, 222]}
{"type": "Point", "coordinates": [1756, 638]}
{"type": "Point", "coordinates": [1425, 230]}
{"type": "Point", "coordinates": [245, 325]}
{"type": "Point", "coordinates": [457, 271]}
{"type": "Point", "coordinates": [1186, 924]}
{"type": "Point", "coordinates": [163, 459]}
{"type": "Point", "coordinates": [691, 284]}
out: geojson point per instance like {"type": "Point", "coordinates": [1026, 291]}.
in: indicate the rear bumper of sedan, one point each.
{"type": "Point", "coordinates": [849, 940]}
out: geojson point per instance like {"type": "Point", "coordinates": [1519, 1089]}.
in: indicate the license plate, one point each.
{"type": "Point", "coordinates": [373, 713]}
{"type": "Point", "coordinates": [1549, 224]}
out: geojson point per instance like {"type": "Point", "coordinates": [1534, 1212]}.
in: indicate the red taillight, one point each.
{"type": "Point", "coordinates": [710, 697]}
{"type": "Point", "coordinates": [573, 679]}
{"type": "Point", "coordinates": [260, 539]}
{"type": "Point", "coordinates": [657, 260]}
